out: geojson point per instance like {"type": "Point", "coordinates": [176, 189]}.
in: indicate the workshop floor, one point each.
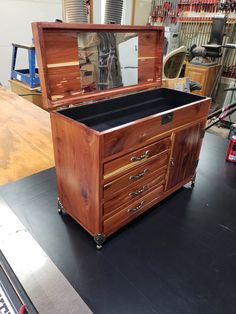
{"type": "Point", "coordinates": [220, 131]}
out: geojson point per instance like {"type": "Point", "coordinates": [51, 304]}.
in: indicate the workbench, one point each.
{"type": "Point", "coordinates": [25, 138]}
{"type": "Point", "coordinates": [178, 258]}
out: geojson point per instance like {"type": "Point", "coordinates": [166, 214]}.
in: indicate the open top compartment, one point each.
{"type": "Point", "coordinates": [107, 114]}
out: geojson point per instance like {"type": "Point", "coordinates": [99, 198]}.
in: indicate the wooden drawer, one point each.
{"type": "Point", "coordinates": [135, 158]}
{"type": "Point", "coordinates": [130, 211]}
{"type": "Point", "coordinates": [148, 130]}
{"type": "Point", "coordinates": [133, 193]}
{"type": "Point", "coordinates": [136, 176]}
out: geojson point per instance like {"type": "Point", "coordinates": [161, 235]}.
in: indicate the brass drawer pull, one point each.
{"type": "Point", "coordinates": [138, 192]}
{"type": "Point", "coordinates": [134, 209]}
{"type": "Point", "coordinates": [144, 156]}
{"type": "Point", "coordinates": [138, 176]}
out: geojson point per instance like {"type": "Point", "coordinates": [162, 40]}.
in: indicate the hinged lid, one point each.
{"type": "Point", "coordinates": [82, 62]}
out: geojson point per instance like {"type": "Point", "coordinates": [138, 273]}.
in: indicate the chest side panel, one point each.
{"type": "Point", "coordinates": [77, 158]}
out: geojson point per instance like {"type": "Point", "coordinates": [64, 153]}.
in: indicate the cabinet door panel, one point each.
{"type": "Point", "coordinates": [186, 150]}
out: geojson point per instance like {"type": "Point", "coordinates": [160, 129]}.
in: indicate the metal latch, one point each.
{"type": "Point", "coordinates": [166, 118]}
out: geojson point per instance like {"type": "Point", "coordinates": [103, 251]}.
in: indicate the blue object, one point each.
{"type": "Point", "coordinates": [27, 76]}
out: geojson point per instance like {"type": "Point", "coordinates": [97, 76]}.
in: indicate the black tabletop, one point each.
{"type": "Point", "coordinates": [179, 257]}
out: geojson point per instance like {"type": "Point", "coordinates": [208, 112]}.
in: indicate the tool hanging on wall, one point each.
{"type": "Point", "coordinates": [170, 11]}
{"type": "Point", "coordinates": [166, 12]}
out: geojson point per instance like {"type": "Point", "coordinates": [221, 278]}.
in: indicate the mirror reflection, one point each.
{"type": "Point", "coordinates": [104, 61]}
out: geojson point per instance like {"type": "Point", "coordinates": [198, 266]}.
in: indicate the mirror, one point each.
{"type": "Point", "coordinates": [107, 60]}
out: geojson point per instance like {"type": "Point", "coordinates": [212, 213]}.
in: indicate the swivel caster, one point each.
{"type": "Point", "coordinates": [193, 181]}
{"type": "Point", "coordinates": [99, 239]}
{"type": "Point", "coordinates": [60, 207]}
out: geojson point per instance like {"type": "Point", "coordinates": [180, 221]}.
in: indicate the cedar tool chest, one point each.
{"type": "Point", "coordinates": [121, 142]}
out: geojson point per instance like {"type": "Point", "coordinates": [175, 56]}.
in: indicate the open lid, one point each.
{"type": "Point", "coordinates": [82, 62]}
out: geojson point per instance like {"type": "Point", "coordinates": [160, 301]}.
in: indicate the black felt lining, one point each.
{"type": "Point", "coordinates": [104, 115]}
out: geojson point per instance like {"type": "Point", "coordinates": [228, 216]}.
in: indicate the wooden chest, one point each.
{"type": "Point", "coordinates": [121, 143]}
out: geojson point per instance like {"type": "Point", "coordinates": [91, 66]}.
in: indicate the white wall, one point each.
{"type": "Point", "coordinates": [15, 27]}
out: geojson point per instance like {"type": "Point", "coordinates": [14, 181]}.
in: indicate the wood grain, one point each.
{"type": "Point", "coordinates": [123, 163]}
{"type": "Point", "coordinates": [61, 50]}
{"type": "Point", "coordinates": [25, 138]}
{"type": "Point", "coordinates": [78, 171]}
{"type": "Point", "coordinates": [132, 135]}
{"type": "Point", "coordinates": [124, 215]}
{"type": "Point", "coordinates": [186, 150]}
{"type": "Point", "coordinates": [141, 173]}
{"type": "Point", "coordinates": [94, 168]}
{"type": "Point", "coordinates": [56, 46]}
{"type": "Point", "coordinates": [122, 218]}
{"type": "Point", "coordinates": [150, 56]}
{"type": "Point", "coordinates": [141, 189]}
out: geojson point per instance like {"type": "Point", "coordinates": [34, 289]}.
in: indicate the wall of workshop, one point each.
{"type": "Point", "coordinates": [15, 27]}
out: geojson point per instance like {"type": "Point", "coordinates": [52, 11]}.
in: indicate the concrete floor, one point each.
{"type": "Point", "coordinates": [220, 131]}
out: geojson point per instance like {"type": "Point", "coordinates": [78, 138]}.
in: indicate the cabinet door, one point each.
{"type": "Point", "coordinates": [187, 144]}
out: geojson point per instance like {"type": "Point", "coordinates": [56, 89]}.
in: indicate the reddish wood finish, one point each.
{"type": "Point", "coordinates": [124, 215]}
{"type": "Point", "coordinates": [130, 160]}
{"type": "Point", "coordinates": [134, 193]}
{"type": "Point", "coordinates": [129, 137]}
{"type": "Point", "coordinates": [137, 175]}
{"type": "Point", "coordinates": [58, 61]}
{"type": "Point", "coordinates": [94, 168]}
{"type": "Point", "coordinates": [186, 149]}
{"type": "Point", "coordinates": [78, 171]}
{"type": "Point", "coordinates": [111, 226]}
{"type": "Point", "coordinates": [150, 58]}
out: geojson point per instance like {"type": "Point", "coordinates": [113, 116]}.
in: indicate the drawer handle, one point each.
{"type": "Point", "coordinates": [134, 209]}
{"type": "Point", "coordinates": [138, 192]}
{"type": "Point", "coordinates": [144, 156]}
{"type": "Point", "coordinates": [138, 176]}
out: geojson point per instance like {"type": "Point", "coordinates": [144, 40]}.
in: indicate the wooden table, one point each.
{"type": "Point", "coordinates": [25, 138]}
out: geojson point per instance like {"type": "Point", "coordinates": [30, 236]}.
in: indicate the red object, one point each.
{"type": "Point", "coordinates": [22, 309]}
{"type": "Point", "coordinates": [231, 152]}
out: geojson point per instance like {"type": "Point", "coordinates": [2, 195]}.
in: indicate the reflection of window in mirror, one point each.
{"type": "Point", "coordinates": [129, 61]}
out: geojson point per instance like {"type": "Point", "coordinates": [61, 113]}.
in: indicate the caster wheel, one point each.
{"type": "Point", "coordinates": [60, 208]}
{"type": "Point", "coordinates": [193, 181]}
{"type": "Point", "coordinates": [99, 239]}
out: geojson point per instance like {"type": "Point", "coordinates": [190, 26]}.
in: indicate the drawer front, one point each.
{"type": "Point", "coordinates": [135, 158]}
{"type": "Point", "coordinates": [134, 193]}
{"type": "Point", "coordinates": [130, 211]}
{"type": "Point", "coordinates": [124, 139]}
{"type": "Point", "coordinates": [136, 176]}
